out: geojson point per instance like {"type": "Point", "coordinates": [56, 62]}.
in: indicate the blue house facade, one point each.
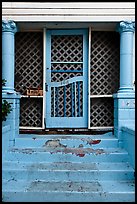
{"type": "Point", "coordinates": [68, 67]}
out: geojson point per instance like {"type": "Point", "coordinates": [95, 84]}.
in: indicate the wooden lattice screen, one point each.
{"type": "Point", "coordinates": [29, 74]}
{"type": "Point", "coordinates": [104, 77]}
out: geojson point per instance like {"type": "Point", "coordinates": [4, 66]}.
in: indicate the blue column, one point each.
{"type": "Point", "coordinates": [124, 99]}
{"type": "Point", "coordinates": [126, 30]}
{"type": "Point", "coordinates": [8, 31]}
{"type": "Point", "coordinates": [8, 93]}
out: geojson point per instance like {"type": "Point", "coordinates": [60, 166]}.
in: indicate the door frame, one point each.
{"type": "Point", "coordinates": [47, 46]}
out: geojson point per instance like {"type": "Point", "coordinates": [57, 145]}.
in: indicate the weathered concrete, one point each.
{"type": "Point", "coordinates": [68, 171]}
{"type": "Point", "coordinates": [43, 191]}
{"type": "Point", "coordinates": [74, 168]}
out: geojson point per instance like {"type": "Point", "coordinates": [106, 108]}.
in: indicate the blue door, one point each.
{"type": "Point", "coordinates": [67, 79]}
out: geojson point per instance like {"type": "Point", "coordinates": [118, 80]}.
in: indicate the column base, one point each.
{"type": "Point", "coordinates": [124, 111]}
{"type": "Point", "coordinates": [126, 90]}
{"type": "Point", "coordinates": [12, 118]}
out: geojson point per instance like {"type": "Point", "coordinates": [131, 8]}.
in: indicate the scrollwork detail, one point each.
{"type": "Point", "coordinates": [9, 26]}
{"type": "Point", "coordinates": [125, 26]}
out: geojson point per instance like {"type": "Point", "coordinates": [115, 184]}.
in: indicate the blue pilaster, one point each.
{"type": "Point", "coordinates": [8, 93]}
{"type": "Point", "coordinates": [124, 99]}
{"type": "Point", "coordinates": [126, 30]}
{"type": "Point", "coordinates": [8, 31]}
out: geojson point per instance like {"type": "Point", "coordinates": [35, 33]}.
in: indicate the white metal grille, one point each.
{"type": "Point", "coordinates": [104, 76]}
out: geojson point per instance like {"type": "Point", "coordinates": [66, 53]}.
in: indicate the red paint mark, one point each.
{"type": "Point", "coordinates": [94, 142]}
{"type": "Point", "coordinates": [80, 155]}
{"type": "Point", "coordinates": [51, 152]}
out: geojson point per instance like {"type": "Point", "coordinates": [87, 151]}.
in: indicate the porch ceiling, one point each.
{"type": "Point", "coordinates": [38, 26]}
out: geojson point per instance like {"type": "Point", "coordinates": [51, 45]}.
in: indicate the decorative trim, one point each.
{"type": "Point", "coordinates": [124, 26]}
{"type": "Point", "coordinates": [9, 26]}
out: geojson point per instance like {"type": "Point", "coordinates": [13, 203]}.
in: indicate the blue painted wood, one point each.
{"type": "Point", "coordinates": [72, 103]}
{"type": "Point", "coordinates": [78, 99]}
{"type": "Point", "coordinates": [126, 30]}
{"type": "Point", "coordinates": [8, 31]}
{"type": "Point", "coordinates": [74, 98]}
{"type": "Point", "coordinates": [73, 121]}
{"type": "Point", "coordinates": [64, 101]}
{"type": "Point", "coordinates": [66, 82]}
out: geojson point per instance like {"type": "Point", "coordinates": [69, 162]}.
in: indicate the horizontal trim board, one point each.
{"type": "Point", "coordinates": [101, 96]}
{"type": "Point", "coordinates": [78, 18]}
{"type": "Point", "coordinates": [68, 5]}
{"type": "Point", "coordinates": [33, 128]}
{"type": "Point", "coordinates": [107, 127]}
{"type": "Point", "coordinates": [91, 11]}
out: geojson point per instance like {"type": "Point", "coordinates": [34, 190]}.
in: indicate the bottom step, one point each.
{"type": "Point", "coordinates": [43, 191]}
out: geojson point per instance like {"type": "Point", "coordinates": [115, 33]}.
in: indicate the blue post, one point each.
{"type": "Point", "coordinates": [8, 31]}
{"type": "Point", "coordinates": [126, 30]}
{"type": "Point", "coordinates": [8, 93]}
{"type": "Point", "coordinates": [124, 99]}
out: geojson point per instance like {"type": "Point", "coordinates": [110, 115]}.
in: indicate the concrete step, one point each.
{"type": "Point", "coordinates": [64, 154]}
{"type": "Point", "coordinates": [53, 191]}
{"type": "Point", "coordinates": [99, 141]}
{"type": "Point", "coordinates": [67, 171]}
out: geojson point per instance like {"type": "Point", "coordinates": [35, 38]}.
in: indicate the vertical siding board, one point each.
{"type": "Point", "coordinates": [44, 77]}
{"type": "Point", "coordinates": [89, 58]}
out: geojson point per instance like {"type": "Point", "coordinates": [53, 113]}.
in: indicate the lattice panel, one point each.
{"type": "Point", "coordinates": [28, 61]}
{"type": "Point", "coordinates": [104, 70]}
{"type": "Point", "coordinates": [31, 112]}
{"type": "Point", "coordinates": [66, 67]}
{"type": "Point", "coordinates": [67, 48]}
{"type": "Point", "coordinates": [67, 101]}
{"type": "Point", "coordinates": [101, 112]}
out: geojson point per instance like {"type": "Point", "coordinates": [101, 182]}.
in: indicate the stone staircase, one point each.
{"type": "Point", "coordinates": [67, 168]}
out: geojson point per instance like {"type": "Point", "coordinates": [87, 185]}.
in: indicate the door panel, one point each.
{"type": "Point", "coordinates": [66, 78]}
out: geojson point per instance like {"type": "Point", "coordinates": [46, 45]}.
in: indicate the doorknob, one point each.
{"type": "Point", "coordinates": [46, 87]}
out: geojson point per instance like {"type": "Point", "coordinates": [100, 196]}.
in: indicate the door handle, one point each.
{"type": "Point", "coordinates": [46, 87]}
